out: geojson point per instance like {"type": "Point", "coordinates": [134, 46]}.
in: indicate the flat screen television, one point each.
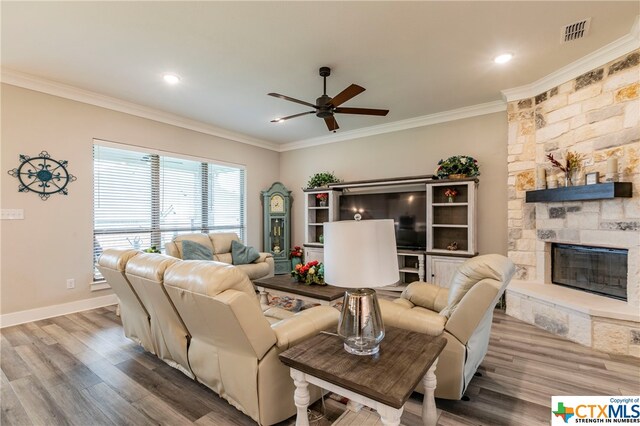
{"type": "Point", "coordinates": [407, 209]}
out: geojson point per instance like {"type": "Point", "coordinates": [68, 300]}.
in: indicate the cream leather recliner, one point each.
{"type": "Point", "coordinates": [170, 336]}
{"type": "Point", "coordinates": [220, 245]}
{"type": "Point", "coordinates": [462, 313]}
{"type": "Point", "coordinates": [234, 345]}
{"type": "Point", "coordinates": [134, 316]}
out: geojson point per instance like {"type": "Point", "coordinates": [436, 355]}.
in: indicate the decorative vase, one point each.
{"type": "Point", "coordinates": [295, 261]}
{"type": "Point", "coordinates": [323, 203]}
{"type": "Point", "coordinates": [450, 199]}
{"type": "Point", "coordinates": [457, 176]}
{"type": "Point", "coordinates": [571, 178]}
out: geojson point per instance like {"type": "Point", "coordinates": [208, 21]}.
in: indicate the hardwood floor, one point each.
{"type": "Point", "coordinates": [79, 369]}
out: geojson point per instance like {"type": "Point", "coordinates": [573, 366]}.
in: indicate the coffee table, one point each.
{"type": "Point", "coordinates": [285, 285]}
{"type": "Point", "coordinates": [383, 382]}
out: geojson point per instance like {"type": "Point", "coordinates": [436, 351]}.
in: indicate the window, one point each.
{"type": "Point", "coordinates": [144, 199]}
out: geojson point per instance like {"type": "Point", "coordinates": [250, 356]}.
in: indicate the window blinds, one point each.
{"type": "Point", "coordinates": [145, 199]}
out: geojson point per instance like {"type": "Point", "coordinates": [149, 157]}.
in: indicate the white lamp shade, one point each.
{"type": "Point", "coordinates": [360, 254]}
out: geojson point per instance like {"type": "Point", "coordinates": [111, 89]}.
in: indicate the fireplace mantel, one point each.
{"type": "Point", "coordinates": [599, 191]}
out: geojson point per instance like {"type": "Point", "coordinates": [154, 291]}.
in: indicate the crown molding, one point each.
{"type": "Point", "coordinates": [608, 53]}
{"type": "Point", "coordinates": [425, 120]}
{"type": "Point", "coordinates": [27, 81]}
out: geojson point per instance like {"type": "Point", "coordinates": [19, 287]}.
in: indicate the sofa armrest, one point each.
{"type": "Point", "coordinates": [171, 249]}
{"type": "Point", "coordinates": [417, 319]}
{"type": "Point", "coordinates": [263, 257]}
{"type": "Point", "coordinates": [426, 295]}
{"type": "Point", "coordinates": [304, 325]}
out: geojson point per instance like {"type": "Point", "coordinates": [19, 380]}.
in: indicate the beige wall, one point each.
{"type": "Point", "coordinates": [54, 241]}
{"type": "Point", "coordinates": [409, 153]}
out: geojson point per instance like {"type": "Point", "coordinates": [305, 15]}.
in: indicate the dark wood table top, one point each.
{"type": "Point", "coordinates": [288, 284]}
{"type": "Point", "coordinates": [388, 377]}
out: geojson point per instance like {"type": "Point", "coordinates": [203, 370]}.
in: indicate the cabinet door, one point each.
{"type": "Point", "coordinates": [441, 269]}
{"type": "Point", "coordinates": [313, 253]}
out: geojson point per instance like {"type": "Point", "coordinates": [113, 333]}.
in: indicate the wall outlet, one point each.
{"type": "Point", "coordinates": [12, 214]}
{"type": "Point", "coordinates": [71, 283]}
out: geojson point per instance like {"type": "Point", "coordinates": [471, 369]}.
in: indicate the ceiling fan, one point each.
{"type": "Point", "coordinates": [326, 106]}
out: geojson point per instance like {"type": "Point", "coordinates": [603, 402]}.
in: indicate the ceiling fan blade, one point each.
{"type": "Point", "coordinates": [332, 124]}
{"type": "Point", "coordinates": [287, 98]}
{"type": "Point", "coordinates": [347, 94]}
{"type": "Point", "coordinates": [277, 120]}
{"type": "Point", "coordinates": [364, 111]}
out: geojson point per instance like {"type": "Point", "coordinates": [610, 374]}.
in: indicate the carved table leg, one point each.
{"type": "Point", "coordinates": [390, 416]}
{"type": "Point", "coordinates": [264, 297]}
{"type": "Point", "coordinates": [429, 412]}
{"type": "Point", "coordinates": [301, 397]}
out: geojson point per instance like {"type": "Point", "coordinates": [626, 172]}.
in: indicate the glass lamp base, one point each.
{"type": "Point", "coordinates": [358, 348]}
{"type": "Point", "coordinates": [360, 324]}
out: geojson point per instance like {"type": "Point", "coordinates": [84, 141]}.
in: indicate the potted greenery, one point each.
{"type": "Point", "coordinates": [321, 179]}
{"type": "Point", "coordinates": [457, 167]}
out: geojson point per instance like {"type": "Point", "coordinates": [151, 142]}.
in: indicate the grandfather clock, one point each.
{"type": "Point", "coordinates": [276, 203]}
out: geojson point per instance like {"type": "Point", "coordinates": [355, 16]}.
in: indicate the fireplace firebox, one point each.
{"type": "Point", "coordinates": [597, 270]}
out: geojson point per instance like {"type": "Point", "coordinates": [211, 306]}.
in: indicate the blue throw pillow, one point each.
{"type": "Point", "coordinates": [241, 254]}
{"type": "Point", "coordinates": [195, 251]}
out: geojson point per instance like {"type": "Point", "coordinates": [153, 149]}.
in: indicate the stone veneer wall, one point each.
{"type": "Point", "coordinates": [596, 114]}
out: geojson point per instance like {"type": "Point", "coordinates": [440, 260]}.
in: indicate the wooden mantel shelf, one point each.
{"type": "Point", "coordinates": [599, 191]}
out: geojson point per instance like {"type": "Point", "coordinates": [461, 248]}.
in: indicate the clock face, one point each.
{"type": "Point", "coordinates": [276, 204]}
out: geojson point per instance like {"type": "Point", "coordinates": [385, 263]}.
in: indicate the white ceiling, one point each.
{"type": "Point", "coordinates": [414, 58]}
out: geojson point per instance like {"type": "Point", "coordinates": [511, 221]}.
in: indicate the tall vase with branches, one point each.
{"type": "Point", "coordinates": [571, 166]}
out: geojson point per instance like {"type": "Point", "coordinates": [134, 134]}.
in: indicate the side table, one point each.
{"type": "Point", "coordinates": [383, 382]}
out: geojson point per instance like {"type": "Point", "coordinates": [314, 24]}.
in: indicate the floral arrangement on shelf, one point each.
{"type": "Point", "coordinates": [572, 164]}
{"type": "Point", "coordinates": [311, 273]}
{"type": "Point", "coordinates": [152, 249]}
{"type": "Point", "coordinates": [296, 252]}
{"type": "Point", "coordinates": [450, 193]}
{"type": "Point", "coordinates": [457, 165]}
{"type": "Point", "coordinates": [323, 197]}
{"type": "Point", "coordinates": [321, 179]}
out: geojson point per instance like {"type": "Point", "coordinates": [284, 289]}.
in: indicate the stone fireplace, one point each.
{"type": "Point", "coordinates": [596, 115]}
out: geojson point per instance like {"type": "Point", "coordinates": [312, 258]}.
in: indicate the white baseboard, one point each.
{"type": "Point", "coordinates": [30, 315]}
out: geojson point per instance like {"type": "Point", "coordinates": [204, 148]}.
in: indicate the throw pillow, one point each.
{"type": "Point", "coordinates": [241, 254]}
{"type": "Point", "coordinates": [195, 251]}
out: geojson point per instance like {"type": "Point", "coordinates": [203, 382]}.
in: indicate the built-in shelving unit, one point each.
{"type": "Point", "coordinates": [598, 191]}
{"type": "Point", "coordinates": [450, 223]}
{"type": "Point", "coordinates": [315, 216]}
{"type": "Point", "coordinates": [411, 266]}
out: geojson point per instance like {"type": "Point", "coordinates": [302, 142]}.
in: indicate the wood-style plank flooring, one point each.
{"type": "Point", "coordinates": [79, 369]}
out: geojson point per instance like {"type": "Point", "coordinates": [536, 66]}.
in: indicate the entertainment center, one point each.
{"type": "Point", "coordinates": [435, 230]}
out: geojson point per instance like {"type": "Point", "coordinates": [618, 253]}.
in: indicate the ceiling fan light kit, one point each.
{"type": "Point", "coordinates": [326, 106]}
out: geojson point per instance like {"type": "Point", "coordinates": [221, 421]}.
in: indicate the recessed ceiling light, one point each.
{"type": "Point", "coordinates": [171, 78]}
{"type": "Point", "coordinates": [503, 59]}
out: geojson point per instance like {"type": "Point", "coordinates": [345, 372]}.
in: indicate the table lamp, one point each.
{"type": "Point", "coordinates": [359, 255]}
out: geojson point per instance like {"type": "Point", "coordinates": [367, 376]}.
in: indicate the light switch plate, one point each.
{"type": "Point", "coordinates": [12, 214]}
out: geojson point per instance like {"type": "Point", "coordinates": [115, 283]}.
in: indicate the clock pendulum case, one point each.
{"type": "Point", "coordinates": [276, 204]}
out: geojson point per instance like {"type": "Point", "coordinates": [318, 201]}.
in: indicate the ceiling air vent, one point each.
{"type": "Point", "coordinates": [575, 31]}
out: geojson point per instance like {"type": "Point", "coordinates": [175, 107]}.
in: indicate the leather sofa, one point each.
{"type": "Point", "coordinates": [220, 245]}
{"type": "Point", "coordinates": [204, 318]}
{"type": "Point", "coordinates": [462, 313]}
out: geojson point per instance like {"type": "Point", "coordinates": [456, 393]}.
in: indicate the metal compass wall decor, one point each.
{"type": "Point", "coordinates": [42, 175]}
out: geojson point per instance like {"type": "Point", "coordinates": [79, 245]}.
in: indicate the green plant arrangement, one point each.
{"type": "Point", "coordinates": [311, 273]}
{"type": "Point", "coordinates": [152, 249]}
{"type": "Point", "coordinates": [457, 165]}
{"type": "Point", "coordinates": [321, 179]}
